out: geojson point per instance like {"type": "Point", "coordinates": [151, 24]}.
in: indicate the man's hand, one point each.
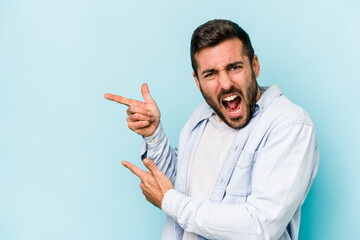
{"type": "Point", "coordinates": [154, 184]}
{"type": "Point", "coordinates": [143, 117]}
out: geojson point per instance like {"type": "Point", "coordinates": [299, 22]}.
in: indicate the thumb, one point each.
{"type": "Point", "coordinates": [149, 164]}
{"type": "Point", "coordinates": [146, 93]}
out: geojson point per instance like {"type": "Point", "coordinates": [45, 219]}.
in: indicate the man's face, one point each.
{"type": "Point", "coordinates": [227, 81]}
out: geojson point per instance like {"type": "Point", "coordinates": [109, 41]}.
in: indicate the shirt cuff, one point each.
{"type": "Point", "coordinates": [157, 135]}
{"type": "Point", "coordinates": [151, 140]}
{"type": "Point", "coordinates": [171, 203]}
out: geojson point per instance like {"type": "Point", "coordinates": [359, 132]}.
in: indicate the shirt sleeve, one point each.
{"type": "Point", "coordinates": [282, 175]}
{"type": "Point", "coordinates": [157, 148]}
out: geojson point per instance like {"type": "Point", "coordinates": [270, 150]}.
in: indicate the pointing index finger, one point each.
{"type": "Point", "coordinates": [122, 100]}
{"type": "Point", "coordinates": [134, 169]}
{"type": "Point", "coordinates": [116, 98]}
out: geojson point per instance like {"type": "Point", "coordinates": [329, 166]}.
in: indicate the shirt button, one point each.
{"type": "Point", "coordinates": [236, 148]}
{"type": "Point", "coordinates": [222, 180]}
{"type": "Point", "coordinates": [152, 140]}
{"type": "Point", "coordinates": [262, 109]}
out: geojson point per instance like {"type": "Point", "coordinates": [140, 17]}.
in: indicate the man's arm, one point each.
{"type": "Point", "coordinates": [157, 148]}
{"type": "Point", "coordinates": [282, 175]}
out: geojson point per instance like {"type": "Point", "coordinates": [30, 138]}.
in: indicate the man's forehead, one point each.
{"type": "Point", "coordinates": [220, 55]}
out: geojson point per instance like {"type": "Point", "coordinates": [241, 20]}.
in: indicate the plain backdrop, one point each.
{"type": "Point", "coordinates": [61, 142]}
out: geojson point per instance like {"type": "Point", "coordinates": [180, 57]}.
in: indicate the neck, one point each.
{"type": "Point", "coordinates": [258, 94]}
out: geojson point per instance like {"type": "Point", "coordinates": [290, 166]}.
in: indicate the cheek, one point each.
{"type": "Point", "coordinates": [210, 88]}
{"type": "Point", "coordinates": [241, 78]}
{"type": "Point", "coordinates": [243, 81]}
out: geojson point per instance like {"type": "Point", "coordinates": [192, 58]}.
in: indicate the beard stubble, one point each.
{"type": "Point", "coordinates": [250, 102]}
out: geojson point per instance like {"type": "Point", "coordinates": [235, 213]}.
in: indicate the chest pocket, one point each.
{"type": "Point", "coordinates": [240, 183]}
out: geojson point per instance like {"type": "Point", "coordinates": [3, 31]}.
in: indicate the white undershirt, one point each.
{"type": "Point", "coordinates": [208, 161]}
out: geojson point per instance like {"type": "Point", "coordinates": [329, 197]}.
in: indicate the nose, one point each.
{"type": "Point", "coordinates": [225, 80]}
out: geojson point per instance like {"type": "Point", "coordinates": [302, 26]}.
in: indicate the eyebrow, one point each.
{"type": "Point", "coordinates": [230, 65]}
{"type": "Point", "coordinates": [208, 71]}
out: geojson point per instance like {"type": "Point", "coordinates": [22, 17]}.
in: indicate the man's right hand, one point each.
{"type": "Point", "coordinates": [143, 117]}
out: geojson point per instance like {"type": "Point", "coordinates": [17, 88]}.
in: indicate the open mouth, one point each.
{"type": "Point", "coordinates": [232, 104]}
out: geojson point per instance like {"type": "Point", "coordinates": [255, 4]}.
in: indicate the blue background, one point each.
{"type": "Point", "coordinates": [61, 142]}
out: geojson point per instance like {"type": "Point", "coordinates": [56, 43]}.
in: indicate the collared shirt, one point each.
{"type": "Point", "coordinates": [209, 158]}
{"type": "Point", "coordinates": [265, 178]}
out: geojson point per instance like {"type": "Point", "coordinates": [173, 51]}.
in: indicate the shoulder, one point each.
{"type": "Point", "coordinates": [283, 116]}
{"type": "Point", "coordinates": [281, 120]}
{"type": "Point", "coordinates": [202, 112]}
{"type": "Point", "coordinates": [284, 111]}
{"type": "Point", "coordinates": [279, 114]}
{"type": "Point", "coordinates": [277, 108]}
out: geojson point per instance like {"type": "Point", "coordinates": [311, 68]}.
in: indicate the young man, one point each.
{"type": "Point", "coordinates": [246, 158]}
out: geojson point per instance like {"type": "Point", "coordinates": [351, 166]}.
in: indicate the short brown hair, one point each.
{"type": "Point", "coordinates": [217, 31]}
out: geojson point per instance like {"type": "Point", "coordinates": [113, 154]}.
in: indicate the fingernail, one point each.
{"type": "Point", "coordinates": [149, 113]}
{"type": "Point", "coordinates": [146, 161]}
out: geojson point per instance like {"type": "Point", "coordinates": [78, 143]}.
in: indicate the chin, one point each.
{"type": "Point", "coordinates": [237, 124]}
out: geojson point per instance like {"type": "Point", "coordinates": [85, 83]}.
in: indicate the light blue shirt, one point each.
{"type": "Point", "coordinates": [264, 181]}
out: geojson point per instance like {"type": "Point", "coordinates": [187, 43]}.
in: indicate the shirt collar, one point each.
{"type": "Point", "coordinates": [269, 94]}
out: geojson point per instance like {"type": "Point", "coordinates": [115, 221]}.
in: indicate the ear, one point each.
{"type": "Point", "coordinates": [196, 80]}
{"type": "Point", "coordinates": [256, 66]}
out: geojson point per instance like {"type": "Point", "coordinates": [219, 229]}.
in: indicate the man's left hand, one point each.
{"type": "Point", "coordinates": [154, 183]}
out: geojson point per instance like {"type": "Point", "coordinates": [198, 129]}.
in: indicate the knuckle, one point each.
{"type": "Point", "coordinates": [160, 176]}
{"type": "Point", "coordinates": [140, 124]}
{"type": "Point", "coordinates": [132, 109]}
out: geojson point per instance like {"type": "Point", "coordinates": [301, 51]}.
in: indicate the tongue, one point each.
{"type": "Point", "coordinates": [232, 105]}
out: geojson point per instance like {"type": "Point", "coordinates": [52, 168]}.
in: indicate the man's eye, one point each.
{"type": "Point", "coordinates": [235, 68]}
{"type": "Point", "coordinates": [209, 75]}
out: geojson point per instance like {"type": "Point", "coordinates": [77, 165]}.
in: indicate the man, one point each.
{"type": "Point", "coordinates": [246, 158]}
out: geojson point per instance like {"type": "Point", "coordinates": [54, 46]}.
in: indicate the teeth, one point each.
{"type": "Point", "coordinates": [236, 111]}
{"type": "Point", "coordinates": [230, 98]}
